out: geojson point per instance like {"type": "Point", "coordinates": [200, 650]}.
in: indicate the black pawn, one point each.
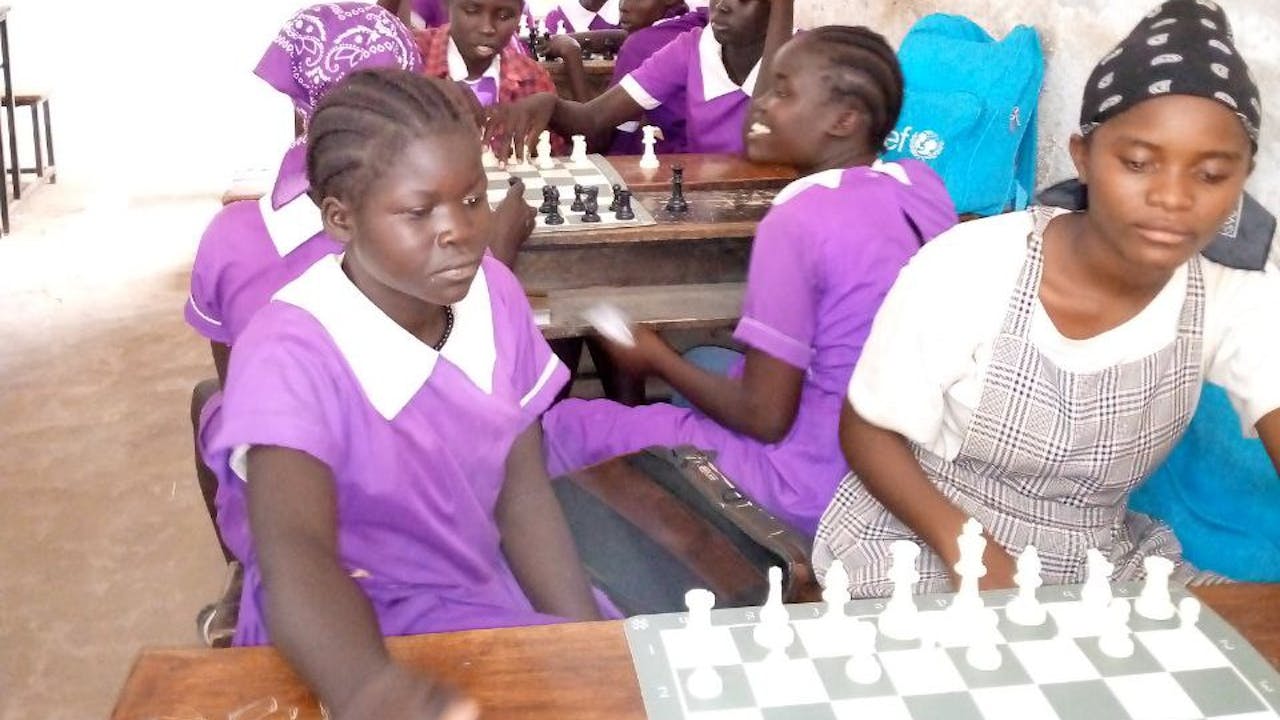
{"type": "Point", "coordinates": [577, 199]}
{"type": "Point", "coordinates": [512, 180]}
{"type": "Point", "coordinates": [592, 213]}
{"type": "Point", "coordinates": [549, 199]}
{"type": "Point", "coordinates": [677, 203]}
{"type": "Point", "coordinates": [624, 211]}
{"type": "Point", "coordinates": [554, 217]}
{"type": "Point", "coordinates": [613, 204]}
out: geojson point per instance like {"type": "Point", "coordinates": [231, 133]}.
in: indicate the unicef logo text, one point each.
{"type": "Point", "coordinates": [922, 144]}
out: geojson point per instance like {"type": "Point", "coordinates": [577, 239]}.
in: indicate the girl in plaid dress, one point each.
{"type": "Point", "coordinates": [1031, 369]}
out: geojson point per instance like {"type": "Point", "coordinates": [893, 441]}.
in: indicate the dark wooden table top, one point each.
{"type": "Point", "coordinates": [563, 672]}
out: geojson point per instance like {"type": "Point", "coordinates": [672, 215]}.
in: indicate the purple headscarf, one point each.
{"type": "Point", "coordinates": [316, 49]}
{"type": "Point", "coordinates": [323, 44]}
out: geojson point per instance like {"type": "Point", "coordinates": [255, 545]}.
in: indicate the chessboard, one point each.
{"type": "Point", "coordinates": [594, 172]}
{"type": "Point", "coordinates": [1178, 670]}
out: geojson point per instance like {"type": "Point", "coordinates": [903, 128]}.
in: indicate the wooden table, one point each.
{"type": "Point", "coordinates": [564, 672]}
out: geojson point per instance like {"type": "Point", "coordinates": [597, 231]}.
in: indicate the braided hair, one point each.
{"type": "Point", "coordinates": [363, 123]}
{"type": "Point", "coordinates": [863, 69]}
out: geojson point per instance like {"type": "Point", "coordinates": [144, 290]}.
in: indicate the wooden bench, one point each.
{"type": "Point", "coordinates": [36, 102]}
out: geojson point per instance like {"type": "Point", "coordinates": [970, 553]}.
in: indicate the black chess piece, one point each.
{"type": "Point", "coordinates": [512, 180]}
{"type": "Point", "coordinates": [549, 199]}
{"type": "Point", "coordinates": [592, 212]}
{"type": "Point", "coordinates": [577, 199]}
{"type": "Point", "coordinates": [613, 204]}
{"type": "Point", "coordinates": [677, 203]}
{"type": "Point", "coordinates": [624, 211]}
{"type": "Point", "coordinates": [534, 50]}
{"type": "Point", "coordinates": [554, 217]}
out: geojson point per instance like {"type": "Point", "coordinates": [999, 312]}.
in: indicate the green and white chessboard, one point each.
{"type": "Point", "coordinates": [1053, 671]}
{"type": "Point", "coordinates": [595, 172]}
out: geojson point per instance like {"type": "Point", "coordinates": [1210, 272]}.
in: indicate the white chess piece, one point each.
{"type": "Point", "coordinates": [1096, 593]}
{"type": "Point", "coordinates": [579, 154]}
{"type": "Point", "coordinates": [1154, 601]}
{"type": "Point", "coordinates": [704, 682]}
{"type": "Point", "coordinates": [1025, 609]}
{"type": "Point", "coordinates": [983, 653]}
{"type": "Point", "coordinates": [1189, 612]}
{"type": "Point", "coordinates": [649, 160]}
{"type": "Point", "coordinates": [970, 568]}
{"type": "Point", "coordinates": [545, 161]}
{"type": "Point", "coordinates": [862, 666]}
{"type": "Point", "coordinates": [1116, 640]}
{"type": "Point", "coordinates": [835, 591]}
{"type": "Point", "coordinates": [774, 631]}
{"type": "Point", "coordinates": [901, 619]}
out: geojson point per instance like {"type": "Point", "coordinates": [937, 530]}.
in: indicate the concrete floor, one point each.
{"type": "Point", "coordinates": [104, 544]}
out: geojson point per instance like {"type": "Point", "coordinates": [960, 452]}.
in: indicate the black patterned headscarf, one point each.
{"type": "Point", "coordinates": [1183, 47]}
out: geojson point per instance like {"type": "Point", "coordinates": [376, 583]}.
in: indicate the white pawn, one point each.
{"type": "Point", "coordinates": [982, 653]}
{"type": "Point", "coordinates": [579, 154]}
{"type": "Point", "coordinates": [835, 591]}
{"type": "Point", "coordinates": [1025, 609]}
{"type": "Point", "coordinates": [545, 161]}
{"type": "Point", "coordinates": [1154, 601]}
{"type": "Point", "coordinates": [901, 619]}
{"type": "Point", "coordinates": [1096, 593]}
{"type": "Point", "coordinates": [649, 160]}
{"type": "Point", "coordinates": [487, 158]}
{"type": "Point", "coordinates": [774, 631]}
{"type": "Point", "coordinates": [704, 682]}
{"type": "Point", "coordinates": [1189, 612]}
{"type": "Point", "coordinates": [970, 568]}
{"type": "Point", "coordinates": [862, 666]}
{"type": "Point", "coordinates": [1116, 640]}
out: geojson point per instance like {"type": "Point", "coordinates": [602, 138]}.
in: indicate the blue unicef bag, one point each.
{"type": "Point", "coordinates": [970, 110]}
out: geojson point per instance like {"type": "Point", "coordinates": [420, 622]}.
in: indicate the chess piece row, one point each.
{"type": "Point", "coordinates": [586, 201]}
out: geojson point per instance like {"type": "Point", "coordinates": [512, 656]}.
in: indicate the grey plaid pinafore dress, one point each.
{"type": "Point", "coordinates": [1049, 457]}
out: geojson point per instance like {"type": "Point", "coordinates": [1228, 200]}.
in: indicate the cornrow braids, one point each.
{"type": "Point", "coordinates": [363, 123]}
{"type": "Point", "coordinates": [861, 67]}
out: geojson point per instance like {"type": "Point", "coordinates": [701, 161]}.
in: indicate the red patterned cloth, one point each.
{"type": "Point", "coordinates": [520, 75]}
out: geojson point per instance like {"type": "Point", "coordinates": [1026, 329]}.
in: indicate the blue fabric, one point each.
{"type": "Point", "coordinates": [969, 110]}
{"type": "Point", "coordinates": [713, 358]}
{"type": "Point", "coordinates": [1219, 492]}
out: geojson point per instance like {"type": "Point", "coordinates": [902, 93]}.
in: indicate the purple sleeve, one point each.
{"type": "Point", "coordinates": [284, 388]}
{"type": "Point", "coordinates": [663, 76]}
{"type": "Point", "coordinates": [204, 312]}
{"type": "Point", "coordinates": [536, 373]}
{"type": "Point", "coordinates": [780, 307]}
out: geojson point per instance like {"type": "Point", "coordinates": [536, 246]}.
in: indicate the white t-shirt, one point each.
{"type": "Point", "coordinates": [924, 364]}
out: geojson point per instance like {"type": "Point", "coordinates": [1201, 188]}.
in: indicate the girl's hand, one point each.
{"type": "Point", "coordinates": [563, 46]}
{"type": "Point", "coordinates": [512, 129]}
{"type": "Point", "coordinates": [513, 219]}
{"type": "Point", "coordinates": [637, 360]}
{"type": "Point", "coordinates": [395, 693]}
{"type": "Point", "coordinates": [1001, 567]}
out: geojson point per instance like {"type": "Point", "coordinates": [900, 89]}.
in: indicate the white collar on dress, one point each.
{"type": "Point", "coordinates": [291, 224]}
{"type": "Point", "coordinates": [390, 364]}
{"type": "Point", "coordinates": [715, 79]}
{"type": "Point", "coordinates": [458, 67]}
{"type": "Point", "coordinates": [611, 12]}
{"type": "Point", "coordinates": [833, 177]}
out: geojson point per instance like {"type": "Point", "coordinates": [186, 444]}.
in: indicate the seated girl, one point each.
{"type": "Point", "coordinates": [823, 258]}
{"type": "Point", "coordinates": [1030, 370]}
{"type": "Point", "coordinates": [705, 77]}
{"type": "Point", "coordinates": [652, 25]}
{"type": "Point", "coordinates": [380, 437]}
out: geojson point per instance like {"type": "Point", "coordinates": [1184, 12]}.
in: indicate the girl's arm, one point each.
{"type": "Point", "coordinates": [887, 468]}
{"type": "Point", "coordinates": [317, 615]}
{"type": "Point", "coordinates": [535, 537]}
{"type": "Point", "coordinates": [517, 125]}
{"type": "Point", "coordinates": [569, 51]}
{"type": "Point", "coordinates": [1268, 428]}
{"type": "Point", "coordinates": [761, 404]}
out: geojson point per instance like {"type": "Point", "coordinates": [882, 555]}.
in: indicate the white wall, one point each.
{"type": "Point", "coordinates": [1076, 34]}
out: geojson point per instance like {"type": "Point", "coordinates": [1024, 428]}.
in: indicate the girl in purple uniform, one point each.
{"type": "Point", "coordinates": [706, 76]}
{"type": "Point", "coordinates": [574, 16]}
{"type": "Point", "coordinates": [823, 258]}
{"type": "Point", "coordinates": [380, 425]}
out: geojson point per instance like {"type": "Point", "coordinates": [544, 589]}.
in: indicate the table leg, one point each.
{"type": "Point", "coordinates": [9, 109]}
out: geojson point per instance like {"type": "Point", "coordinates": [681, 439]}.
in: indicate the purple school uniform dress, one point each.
{"type": "Point", "coordinates": [432, 12]}
{"type": "Point", "coordinates": [823, 259]}
{"type": "Point", "coordinates": [569, 17]}
{"type": "Point", "coordinates": [417, 442]}
{"type": "Point", "coordinates": [713, 107]}
{"type": "Point", "coordinates": [637, 48]}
